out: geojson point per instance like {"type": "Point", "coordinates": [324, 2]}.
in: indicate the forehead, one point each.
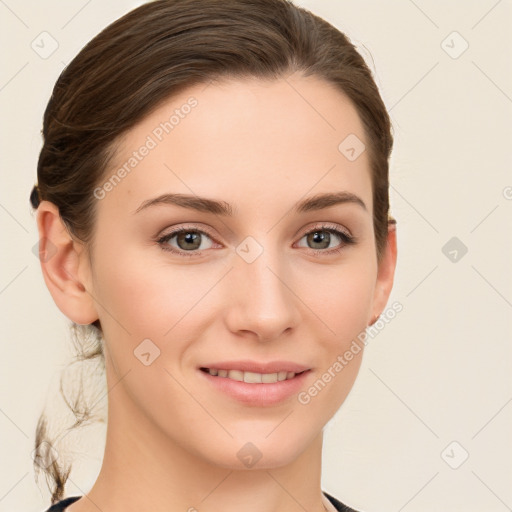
{"type": "Point", "coordinates": [250, 142]}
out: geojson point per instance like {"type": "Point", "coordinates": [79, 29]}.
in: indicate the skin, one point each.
{"type": "Point", "coordinates": [172, 438]}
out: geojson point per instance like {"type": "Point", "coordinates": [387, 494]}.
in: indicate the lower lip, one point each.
{"type": "Point", "coordinates": [258, 394]}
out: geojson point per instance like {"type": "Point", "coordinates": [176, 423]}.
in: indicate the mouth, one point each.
{"type": "Point", "coordinates": [274, 383]}
{"type": "Point", "coordinates": [252, 377]}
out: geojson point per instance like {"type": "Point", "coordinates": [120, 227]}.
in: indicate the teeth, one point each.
{"type": "Point", "coordinates": [252, 377]}
{"type": "Point", "coordinates": [282, 376]}
{"type": "Point", "coordinates": [268, 378]}
{"type": "Point", "coordinates": [236, 375]}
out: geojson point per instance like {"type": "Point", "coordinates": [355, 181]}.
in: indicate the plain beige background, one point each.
{"type": "Point", "coordinates": [427, 424]}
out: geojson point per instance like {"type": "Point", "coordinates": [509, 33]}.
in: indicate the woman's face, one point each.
{"type": "Point", "coordinates": [261, 279]}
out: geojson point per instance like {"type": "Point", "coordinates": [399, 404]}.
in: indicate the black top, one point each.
{"type": "Point", "coordinates": [62, 504]}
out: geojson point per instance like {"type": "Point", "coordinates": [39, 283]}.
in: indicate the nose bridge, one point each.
{"type": "Point", "coordinates": [263, 302]}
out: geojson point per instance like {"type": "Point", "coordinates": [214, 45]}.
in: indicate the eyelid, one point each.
{"type": "Point", "coordinates": [326, 226]}
{"type": "Point", "coordinates": [187, 227]}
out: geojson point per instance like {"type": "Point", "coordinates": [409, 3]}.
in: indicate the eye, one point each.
{"type": "Point", "coordinates": [189, 241]}
{"type": "Point", "coordinates": [322, 237]}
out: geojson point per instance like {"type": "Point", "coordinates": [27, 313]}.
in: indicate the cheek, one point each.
{"type": "Point", "coordinates": [344, 307]}
{"type": "Point", "coordinates": [142, 300]}
{"type": "Point", "coordinates": [138, 302]}
{"type": "Point", "coordinates": [146, 299]}
{"type": "Point", "coordinates": [344, 301]}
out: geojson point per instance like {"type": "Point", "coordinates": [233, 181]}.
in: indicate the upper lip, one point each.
{"type": "Point", "coordinates": [256, 367]}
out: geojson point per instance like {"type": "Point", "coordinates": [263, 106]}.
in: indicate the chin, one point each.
{"type": "Point", "coordinates": [257, 451]}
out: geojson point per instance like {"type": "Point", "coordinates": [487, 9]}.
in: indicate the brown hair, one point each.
{"type": "Point", "coordinates": [156, 51]}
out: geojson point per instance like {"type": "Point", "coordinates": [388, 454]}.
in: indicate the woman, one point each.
{"type": "Point", "coordinates": [212, 203]}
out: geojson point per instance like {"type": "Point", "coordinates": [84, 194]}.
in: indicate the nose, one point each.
{"type": "Point", "coordinates": [261, 303]}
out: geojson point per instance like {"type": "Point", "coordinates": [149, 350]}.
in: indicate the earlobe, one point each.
{"type": "Point", "coordinates": [62, 260]}
{"type": "Point", "coordinates": [386, 273]}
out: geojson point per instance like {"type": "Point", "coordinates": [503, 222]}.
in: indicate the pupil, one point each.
{"type": "Point", "coordinates": [321, 237]}
{"type": "Point", "coordinates": [190, 238]}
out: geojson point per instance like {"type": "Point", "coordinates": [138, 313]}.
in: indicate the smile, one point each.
{"type": "Point", "coordinates": [251, 377]}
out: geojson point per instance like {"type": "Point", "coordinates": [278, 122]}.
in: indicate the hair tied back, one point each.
{"type": "Point", "coordinates": [35, 199]}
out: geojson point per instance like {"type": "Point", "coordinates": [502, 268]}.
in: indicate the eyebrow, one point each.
{"type": "Point", "coordinates": [205, 205]}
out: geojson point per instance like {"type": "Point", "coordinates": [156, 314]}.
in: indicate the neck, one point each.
{"type": "Point", "coordinates": [143, 469]}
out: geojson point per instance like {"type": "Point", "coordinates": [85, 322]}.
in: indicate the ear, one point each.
{"type": "Point", "coordinates": [385, 274]}
{"type": "Point", "coordinates": [65, 266]}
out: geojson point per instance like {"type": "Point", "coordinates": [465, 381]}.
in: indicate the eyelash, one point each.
{"type": "Point", "coordinates": [331, 228]}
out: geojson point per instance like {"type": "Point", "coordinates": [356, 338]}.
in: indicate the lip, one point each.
{"type": "Point", "coordinates": [260, 394]}
{"type": "Point", "coordinates": [253, 366]}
